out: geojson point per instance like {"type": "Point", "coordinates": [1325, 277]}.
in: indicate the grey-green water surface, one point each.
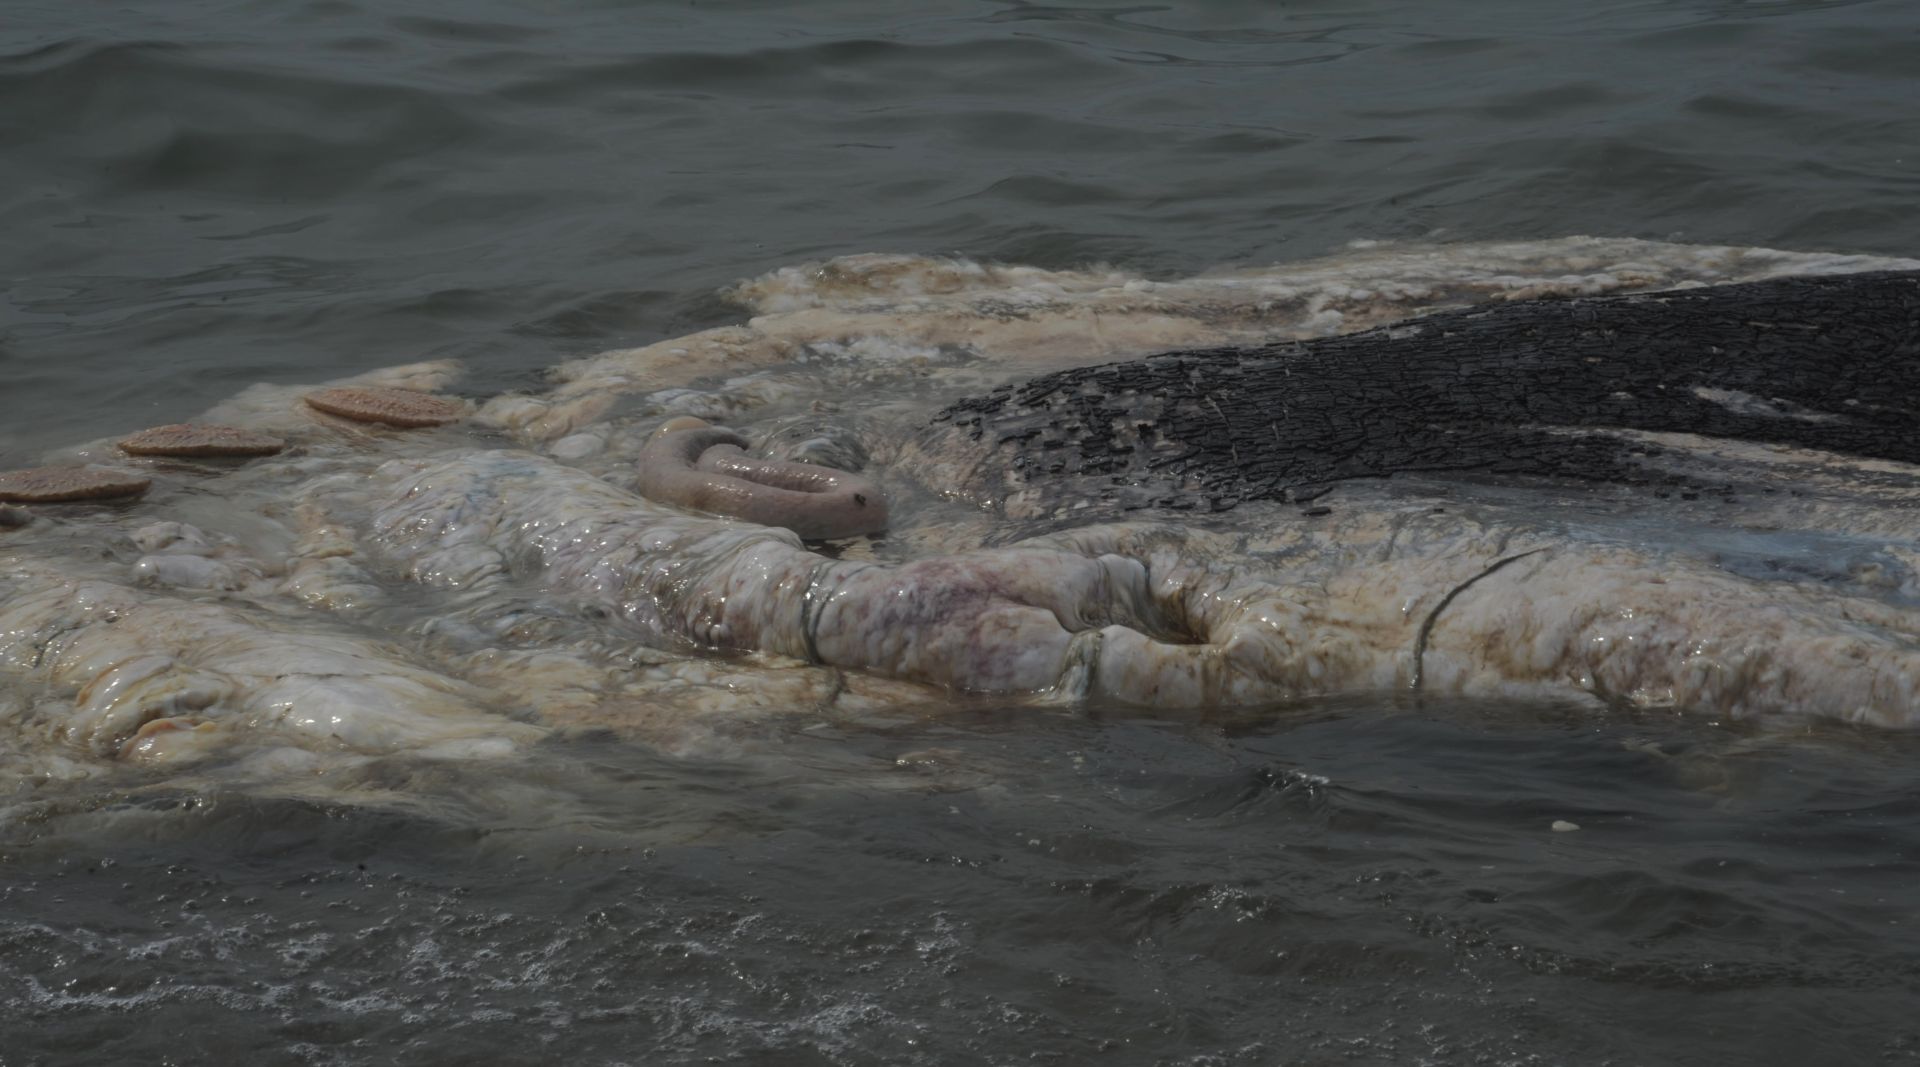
{"type": "Point", "coordinates": [200, 195]}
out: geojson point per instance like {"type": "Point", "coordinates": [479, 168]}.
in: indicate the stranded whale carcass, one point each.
{"type": "Point", "coordinates": [1701, 498]}
{"type": "Point", "coordinates": [1473, 598]}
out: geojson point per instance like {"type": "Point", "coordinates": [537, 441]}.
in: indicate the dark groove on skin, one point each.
{"type": "Point", "coordinates": [1099, 643]}
{"type": "Point", "coordinates": [809, 616]}
{"type": "Point", "coordinates": [46, 646]}
{"type": "Point", "coordinates": [811, 605]}
{"type": "Point", "coordinates": [833, 695]}
{"type": "Point", "coordinates": [1426, 626]}
{"type": "Point", "coordinates": [1092, 645]}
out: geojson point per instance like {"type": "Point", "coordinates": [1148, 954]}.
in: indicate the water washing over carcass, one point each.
{"type": "Point", "coordinates": [1520, 516]}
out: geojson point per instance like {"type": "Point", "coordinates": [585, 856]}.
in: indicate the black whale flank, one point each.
{"type": "Point", "coordinates": [1830, 363]}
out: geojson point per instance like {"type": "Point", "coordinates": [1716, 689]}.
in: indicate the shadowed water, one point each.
{"type": "Point", "coordinates": [202, 195]}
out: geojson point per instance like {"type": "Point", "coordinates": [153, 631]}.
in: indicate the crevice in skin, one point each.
{"type": "Point", "coordinates": [1080, 667]}
{"type": "Point", "coordinates": [1426, 625]}
{"type": "Point", "coordinates": [811, 605]}
{"type": "Point", "coordinates": [46, 646]}
{"type": "Point", "coordinates": [833, 694]}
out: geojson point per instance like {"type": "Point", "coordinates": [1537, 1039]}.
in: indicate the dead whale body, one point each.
{"type": "Point", "coordinates": [1698, 498]}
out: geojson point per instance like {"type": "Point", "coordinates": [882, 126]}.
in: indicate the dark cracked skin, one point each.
{"type": "Point", "coordinates": [1505, 390]}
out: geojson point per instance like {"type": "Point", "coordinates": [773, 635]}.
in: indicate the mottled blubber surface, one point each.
{"type": "Point", "coordinates": [199, 197]}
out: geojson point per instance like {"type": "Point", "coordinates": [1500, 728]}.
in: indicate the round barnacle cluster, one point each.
{"type": "Point", "coordinates": [63, 485]}
{"type": "Point", "coordinates": [403, 408]}
{"type": "Point", "coordinates": [200, 441]}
